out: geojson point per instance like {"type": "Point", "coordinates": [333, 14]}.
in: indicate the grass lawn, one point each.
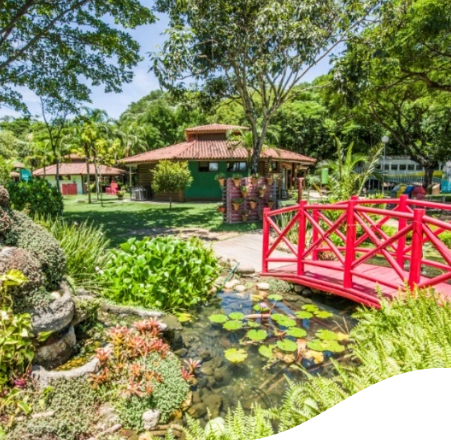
{"type": "Point", "coordinates": [122, 220]}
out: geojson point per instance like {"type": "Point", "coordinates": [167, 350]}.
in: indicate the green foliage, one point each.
{"type": "Point", "coordinates": [170, 177]}
{"type": "Point", "coordinates": [235, 356]}
{"type": "Point", "coordinates": [232, 325]}
{"type": "Point", "coordinates": [86, 250]}
{"type": "Point", "coordinates": [165, 272]}
{"type": "Point", "coordinates": [287, 345]}
{"type": "Point", "coordinates": [26, 234]}
{"type": "Point", "coordinates": [218, 318]}
{"type": "Point", "coordinates": [37, 197]}
{"type": "Point", "coordinates": [257, 335]}
{"type": "Point", "coordinates": [296, 332]}
{"type": "Point", "coordinates": [75, 405]}
{"type": "Point", "coordinates": [5, 170]}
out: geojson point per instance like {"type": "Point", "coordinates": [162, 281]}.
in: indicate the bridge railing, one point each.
{"type": "Point", "coordinates": [343, 236]}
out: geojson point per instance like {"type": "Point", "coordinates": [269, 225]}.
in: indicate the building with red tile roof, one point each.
{"type": "Point", "coordinates": [209, 152]}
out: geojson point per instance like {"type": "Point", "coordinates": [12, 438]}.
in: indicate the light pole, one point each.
{"type": "Point", "coordinates": [384, 140]}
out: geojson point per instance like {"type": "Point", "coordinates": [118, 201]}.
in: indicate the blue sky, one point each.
{"type": "Point", "coordinates": [149, 37]}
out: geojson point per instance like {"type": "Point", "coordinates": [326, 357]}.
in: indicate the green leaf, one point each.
{"type": "Point", "coordinates": [296, 332]}
{"type": "Point", "coordinates": [266, 351]}
{"type": "Point", "coordinates": [253, 324]}
{"type": "Point", "coordinates": [184, 317]}
{"type": "Point", "coordinates": [287, 345]}
{"type": "Point", "coordinates": [275, 297]}
{"type": "Point", "coordinates": [303, 315]}
{"type": "Point", "coordinates": [232, 325]}
{"type": "Point", "coordinates": [323, 314]}
{"type": "Point", "coordinates": [310, 308]}
{"type": "Point", "coordinates": [235, 356]}
{"type": "Point", "coordinates": [257, 335]}
{"type": "Point", "coordinates": [236, 315]}
{"type": "Point", "coordinates": [332, 346]}
{"type": "Point", "coordinates": [327, 335]}
{"type": "Point", "coordinates": [277, 316]}
{"type": "Point", "coordinates": [286, 322]}
{"type": "Point", "coordinates": [218, 318]}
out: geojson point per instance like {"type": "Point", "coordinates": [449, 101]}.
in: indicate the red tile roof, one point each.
{"type": "Point", "coordinates": [67, 169]}
{"type": "Point", "coordinates": [210, 150]}
{"type": "Point", "coordinates": [220, 128]}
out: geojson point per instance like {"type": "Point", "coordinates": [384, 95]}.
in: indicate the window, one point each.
{"type": "Point", "coordinates": [205, 167]}
{"type": "Point", "coordinates": [402, 167]}
{"type": "Point", "coordinates": [411, 167]}
{"type": "Point", "coordinates": [386, 167]}
{"type": "Point", "coordinates": [394, 167]}
{"type": "Point", "coordinates": [236, 167]}
{"type": "Point", "coordinates": [419, 168]}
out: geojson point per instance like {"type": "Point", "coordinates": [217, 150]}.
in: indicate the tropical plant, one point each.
{"type": "Point", "coordinates": [344, 179]}
{"type": "Point", "coordinates": [164, 272]}
{"type": "Point", "coordinates": [220, 176]}
{"type": "Point", "coordinates": [170, 177]}
{"type": "Point", "coordinates": [37, 197]}
{"type": "Point", "coordinates": [86, 248]}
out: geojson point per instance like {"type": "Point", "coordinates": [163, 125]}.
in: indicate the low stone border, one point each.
{"type": "Point", "coordinates": [129, 310]}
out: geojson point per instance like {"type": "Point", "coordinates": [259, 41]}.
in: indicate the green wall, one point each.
{"type": "Point", "coordinates": [204, 185]}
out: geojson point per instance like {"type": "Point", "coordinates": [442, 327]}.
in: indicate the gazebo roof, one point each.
{"type": "Point", "coordinates": [75, 169]}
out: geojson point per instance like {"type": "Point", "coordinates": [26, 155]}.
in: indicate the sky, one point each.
{"type": "Point", "coordinates": [150, 38]}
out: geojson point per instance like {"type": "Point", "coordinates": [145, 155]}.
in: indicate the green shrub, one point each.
{"type": "Point", "coordinates": [75, 404]}
{"type": "Point", "coordinates": [86, 249]}
{"type": "Point", "coordinates": [26, 234]}
{"type": "Point", "coordinates": [164, 272]}
{"type": "Point", "coordinates": [37, 197]}
{"type": "Point", "coordinates": [445, 237]}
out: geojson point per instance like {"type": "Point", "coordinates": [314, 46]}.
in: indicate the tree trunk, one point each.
{"type": "Point", "coordinates": [96, 175]}
{"type": "Point", "coordinates": [170, 201]}
{"type": "Point", "coordinates": [428, 174]}
{"type": "Point", "coordinates": [58, 174]}
{"type": "Point", "coordinates": [88, 180]}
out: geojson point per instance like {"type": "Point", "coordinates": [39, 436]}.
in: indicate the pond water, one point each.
{"type": "Point", "coordinates": [220, 383]}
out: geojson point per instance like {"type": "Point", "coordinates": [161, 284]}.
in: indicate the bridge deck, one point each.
{"type": "Point", "coordinates": [331, 280]}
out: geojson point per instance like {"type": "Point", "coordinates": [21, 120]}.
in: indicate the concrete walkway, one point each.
{"type": "Point", "coordinates": [246, 249]}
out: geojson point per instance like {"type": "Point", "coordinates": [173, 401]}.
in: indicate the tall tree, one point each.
{"type": "Point", "coordinates": [256, 51]}
{"type": "Point", "coordinates": [53, 47]}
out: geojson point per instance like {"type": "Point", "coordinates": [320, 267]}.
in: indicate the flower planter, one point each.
{"type": "Point", "coordinates": [221, 182]}
{"type": "Point", "coordinates": [254, 181]}
{"type": "Point", "coordinates": [252, 205]}
{"type": "Point", "coordinates": [244, 194]}
{"type": "Point", "coordinates": [269, 180]}
{"type": "Point", "coordinates": [237, 182]}
{"type": "Point", "coordinates": [236, 206]}
{"type": "Point", "coordinates": [221, 209]}
{"type": "Point", "coordinates": [270, 203]}
{"type": "Point", "coordinates": [244, 218]}
{"type": "Point", "coordinates": [261, 192]}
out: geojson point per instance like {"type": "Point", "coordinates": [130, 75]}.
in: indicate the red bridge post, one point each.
{"type": "Point", "coordinates": [350, 242]}
{"type": "Point", "coordinates": [265, 240]}
{"type": "Point", "coordinates": [417, 248]}
{"type": "Point", "coordinates": [315, 234]}
{"type": "Point", "coordinates": [301, 236]}
{"type": "Point", "coordinates": [402, 223]}
{"type": "Point", "coordinates": [300, 188]}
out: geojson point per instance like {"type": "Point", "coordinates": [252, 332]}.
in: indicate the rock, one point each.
{"type": "Point", "coordinates": [207, 370]}
{"type": "Point", "coordinates": [196, 397]}
{"type": "Point", "coordinates": [129, 310]}
{"type": "Point", "coordinates": [197, 410]}
{"type": "Point", "coordinates": [263, 286]}
{"type": "Point", "coordinates": [56, 316]}
{"type": "Point", "coordinates": [55, 295]}
{"type": "Point", "coordinates": [222, 374]}
{"type": "Point", "coordinates": [245, 269]}
{"type": "Point", "coordinates": [57, 350]}
{"type": "Point", "coordinates": [150, 419]}
{"type": "Point", "coordinates": [181, 352]}
{"type": "Point", "coordinates": [240, 288]}
{"type": "Point", "coordinates": [298, 288]}
{"type": "Point", "coordinates": [80, 291]}
{"type": "Point", "coordinates": [291, 298]}
{"type": "Point", "coordinates": [219, 281]}
{"type": "Point", "coordinates": [231, 284]}
{"type": "Point", "coordinates": [205, 355]}
{"type": "Point", "coordinates": [213, 290]}
{"type": "Point", "coordinates": [172, 323]}
{"type": "Point", "coordinates": [215, 427]}
{"type": "Point", "coordinates": [107, 416]}
{"type": "Point", "coordinates": [213, 403]}
{"type": "Point", "coordinates": [86, 306]}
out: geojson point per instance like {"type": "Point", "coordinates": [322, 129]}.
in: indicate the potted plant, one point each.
{"type": "Point", "coordinates": [221, 208]}
{"type": "Point", "coordinates": [237, 179]}
{"type": "Point", "coordinates": [252, 202]}
{"type": "Point", "coordinates": [270, 180]}
{"type": "Point", "coordinates": [254, 178]}
{"type": "Point", "coordinates": [237, 203]}
{"type": "Point", "coordinates": [220, 177]}
{"type": "Point", "coordinates": [262, 190]}
{"type": "Point", "coordinates": [244, 190]}
{"type": "Point", "coordinates": [244, 214]}
{"type": "Point", "coordinates": [270, 202]}
{"type": "Point", "coordinates": [120, 194]}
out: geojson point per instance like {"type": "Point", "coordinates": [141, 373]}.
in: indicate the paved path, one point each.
{"type": "Point", "coordinates": [246, 249]}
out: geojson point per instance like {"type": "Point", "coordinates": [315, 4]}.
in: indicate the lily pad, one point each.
{"type": "Point", "coordinates": [332, 346]}
{"type": "Point", "coordinates": [327, 335]}
{"type": "Point", "coordinates": [277, 316]}
{"type": "Point", "coordinates": [303, 314]}
{"type": "Point", "coordinates": [235, 356]}
{"type": "Point", "coordinates": [236, 315]}
{"type": "Point", "coordinates": [275, 297]}
{"type": "Point", "coordinates": [323, 314]}
{"type": "Point", "coordinates": [296, 332]}
{"type": "Point", "coordinates": [286, 322]}
{"type": "Point", "coordinates": [218, 318]}
{"type": "Point", "coordinates": [287, 345]}
{"type": "Point", "coordinates": [257, 335]}
{"type": "Point", "coordinates": [184, 317]}
{"type": "Point", "coordinates": [266, 351]}
{"type": "Point", "coordinates": [310, 308]}
{"type": "Point", "coordinates": [253, 324]}
{"type": "Point", "coordinates": [317, 356]}
{"type": "Point", "coordinates": [232, 325]}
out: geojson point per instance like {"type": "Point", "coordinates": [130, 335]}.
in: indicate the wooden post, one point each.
{"type": "Point", "coordinates": [300, 188]}
{"type": "Point", "coordinates": [350, 242]}
{"type": "Point", "coordinates": [402, 223]}
{"type": "Point", "coordinates": [417, 248]}
{"type": "Point", "coordinates": [315, 234]}
{"type": "Point", "coordinates": [265, 240]}
{"type": "Point", "coordinates": [301, 236]}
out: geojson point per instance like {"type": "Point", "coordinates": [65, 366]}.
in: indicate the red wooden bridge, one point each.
{"type": "Point", "coordinates": [344, 248]}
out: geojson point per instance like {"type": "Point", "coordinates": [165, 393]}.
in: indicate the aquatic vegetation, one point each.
{"type": "Point", "coordinates": [284, 321]}
{"type": "Point", "coordinates": [296, 332]}
{"type": "Point", "coordinates": [192, 364]}
{"type": "Point", "coordinates": [303, 314]}
{"type": "Point", "coordinates": [232, 325]}
{"type": "Point", "coordinates": [323, 314]}
{"type": "Point", "coordinates": [235, 355]}
{"type": "Point", "coordinates": [329, 345]}
{"type": "Point", "coordinates": [327, 335]}
{"type": "Point", "coordinates": [218, 318]}
{"type": "Point", "coordinates": [275, 297]}
{"type": "Point", "coordinates": [287, 345]}
{"type": "Point", "coordinates": [267, 350]}
{"type": "Point", "coordinates": [236, 315]}
{"type": "Point", "coordinates": [257, 335]}
{"type": "Point", "coordinates": [184, 317]}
